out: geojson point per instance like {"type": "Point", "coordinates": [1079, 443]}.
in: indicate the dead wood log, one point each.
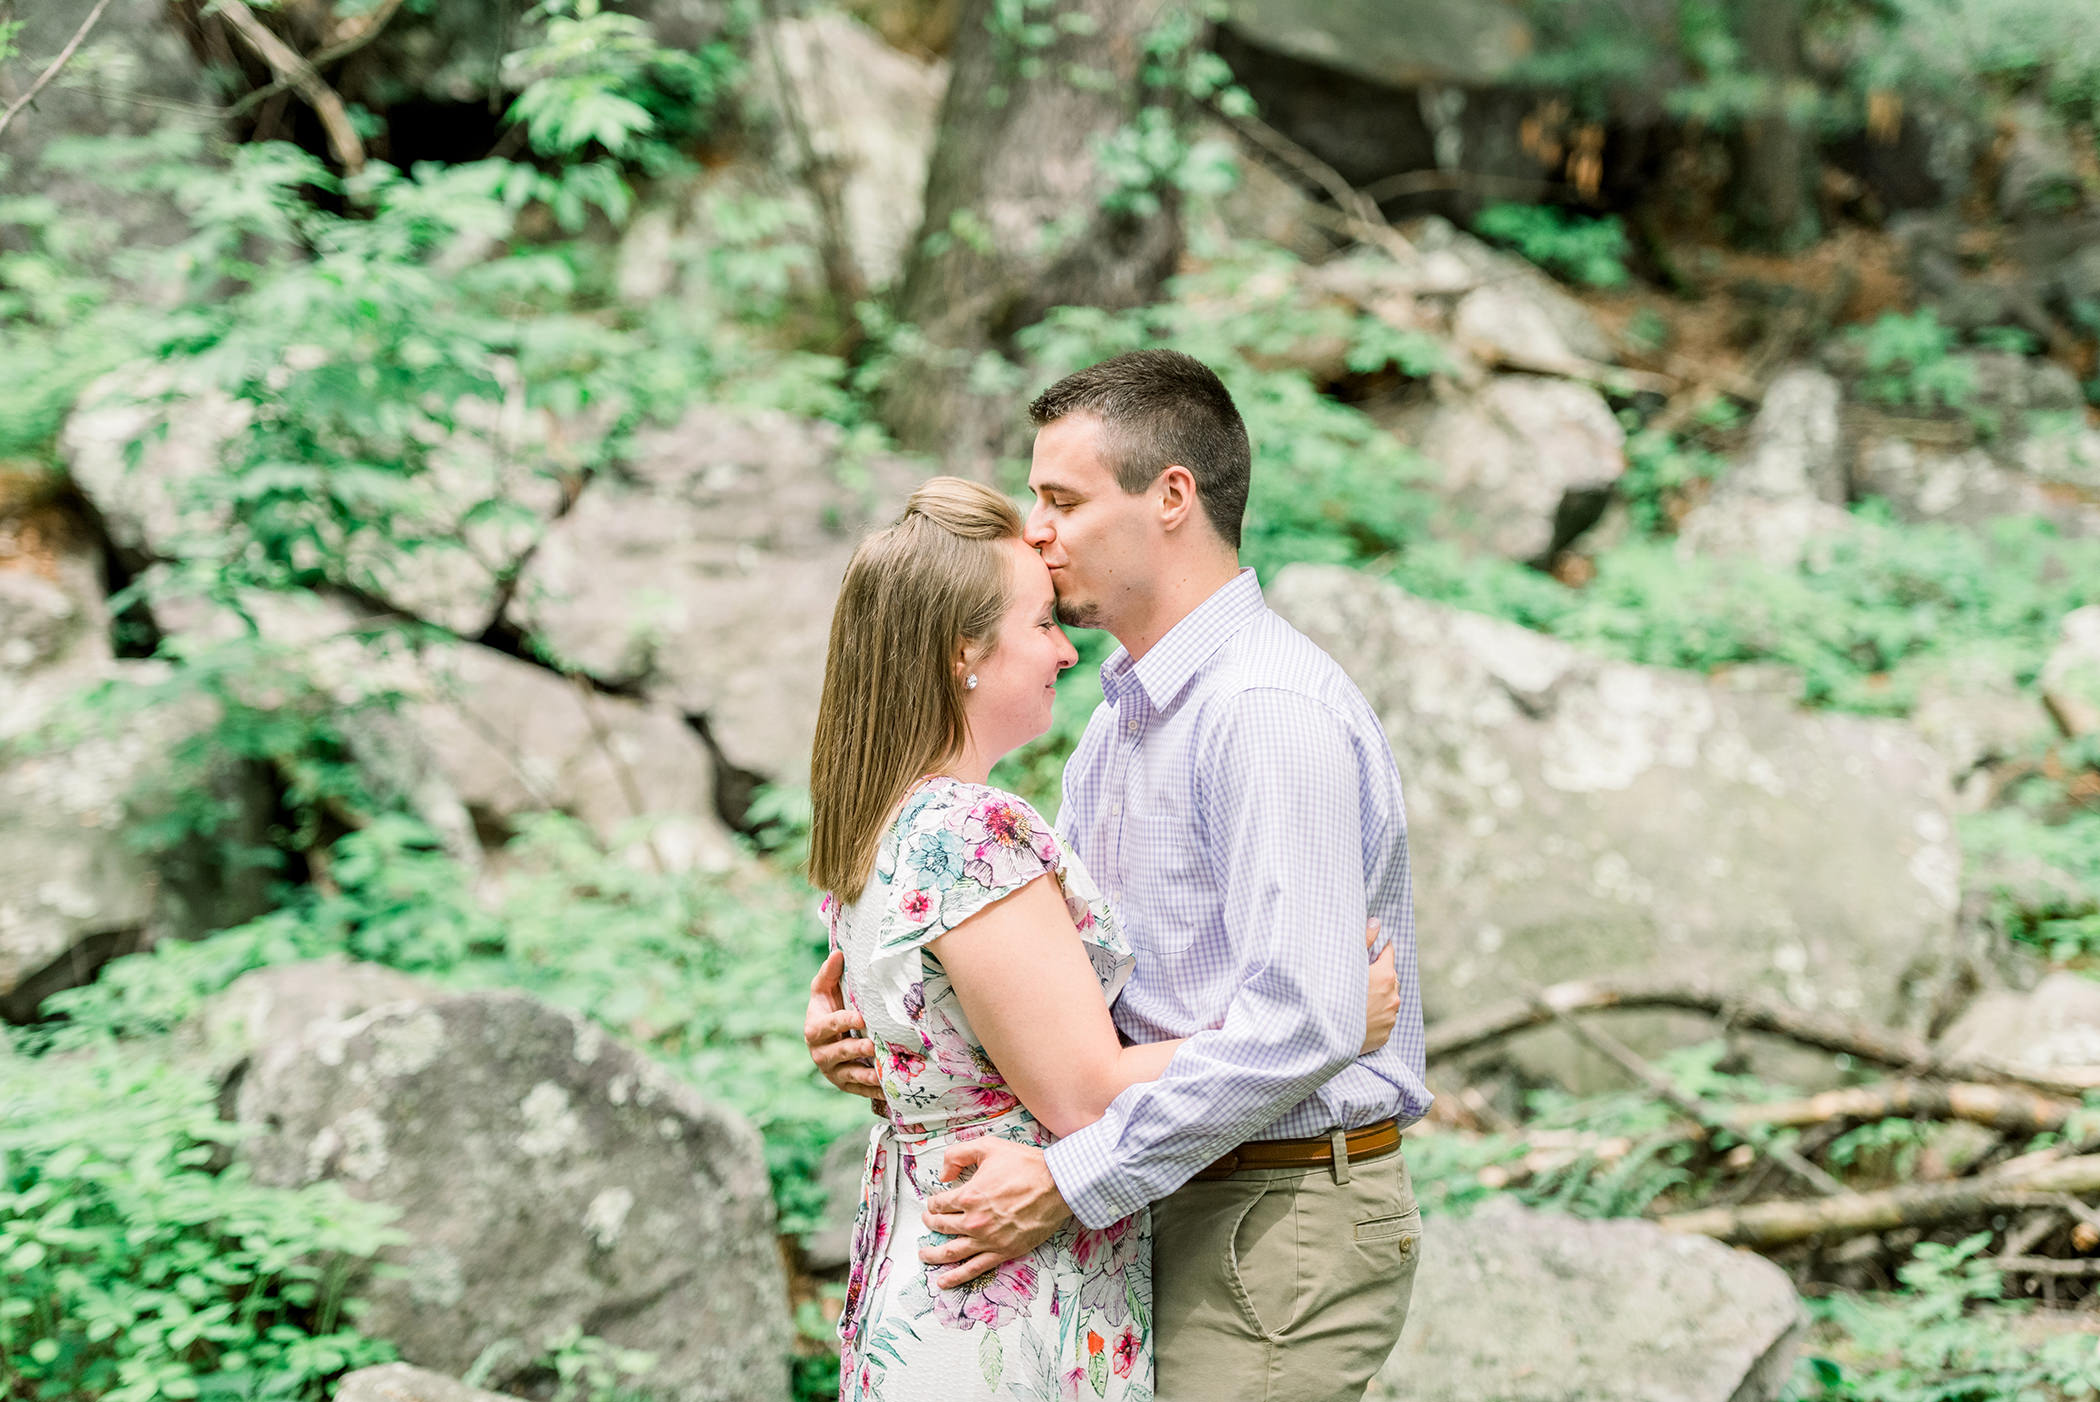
{"type": "Point", "coordinates": [2008, 1109]}
{"type": "Point", "coordinates": [1879, 1046]}
{"type": "Point", "coordinates": [367, 28]}
{"type": "Point", "coordinates": [1782, 1223]}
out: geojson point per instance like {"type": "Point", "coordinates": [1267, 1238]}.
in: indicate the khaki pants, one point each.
{"type": "Point", "coordinates": [1282, 1284]}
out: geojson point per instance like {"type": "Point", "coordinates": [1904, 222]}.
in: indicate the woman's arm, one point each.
{"type": "Point", "coordinates": [1033, 999]}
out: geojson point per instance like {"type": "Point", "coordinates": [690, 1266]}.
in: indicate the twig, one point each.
{"type": "Point", "coordinates": [64, 56]}
{"type": "Point", "coordinates": [1768, 1224]}
{"type": "Point", "coordinates": [295, 70]}
{"type": "Point", "coordinates": [1663, 1088]}
{"type": "Point", "coordinates": [1879, 1046]}
{"type": "Point", "coordinates": [375, 21]}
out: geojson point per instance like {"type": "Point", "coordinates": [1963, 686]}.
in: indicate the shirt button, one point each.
{"type": "Point", "coordinates": [1132, 727]}
{"type": "Point", "coordinates": [1116, 812]}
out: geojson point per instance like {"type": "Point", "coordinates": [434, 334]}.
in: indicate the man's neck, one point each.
{"type": "Point", "coordinates": [1182, 592]}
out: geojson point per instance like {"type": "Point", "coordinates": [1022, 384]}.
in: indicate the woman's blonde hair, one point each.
{"type": "Point", "coordinates": [892, 706]}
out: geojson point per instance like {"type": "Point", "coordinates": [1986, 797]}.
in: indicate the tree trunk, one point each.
{"type": "Point", "coordinates": [1774, 196]}
{"type": "Point", "coordinates": [1015, 218]}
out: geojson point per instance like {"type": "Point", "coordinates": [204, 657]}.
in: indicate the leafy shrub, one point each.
{"type": "Point", "coordinates": [1910, 362]}
{"type": "Point", "coordinates": [1581, 249]}
{"type": "Point", "coordinates": [132, 1272]}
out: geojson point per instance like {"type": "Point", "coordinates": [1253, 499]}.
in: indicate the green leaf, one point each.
{"type": "Point", "coordinates": [991, 1358]}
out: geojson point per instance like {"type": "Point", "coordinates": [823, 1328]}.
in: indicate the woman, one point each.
{"type": "Point", "coordinates": [979, 956]}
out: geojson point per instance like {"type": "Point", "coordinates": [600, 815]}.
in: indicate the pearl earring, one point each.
{"type": "Point", "coordinates": [970, 682]}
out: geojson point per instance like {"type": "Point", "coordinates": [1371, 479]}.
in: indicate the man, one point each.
{"type": "Point", "coordinates": [1237, 800]}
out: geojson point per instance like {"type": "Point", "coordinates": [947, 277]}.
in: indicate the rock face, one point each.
{"type": "Point", "coordinates": [277, 1005]}
{"type": "Point", "coordinates": [1401, 45]}
{"type": "Point", "coordinates": [1573, 816]}
{"type": "Point", "coordinates": [1789, 487]}
{"type": "Point", "coordinates": [2057, 1024]}
{"type": "Point", "coordinates": [74, 892]}
{"type": "Point", "coordinates": [52, 611]}
{"type": "Point", "coordinates": [398, 1382]}
{"type": "Point", "coordinates": [2071, 676]}
{"type": "Point", "coordinates": [1972, 488]}
{"type": "Point", "coordinates": [549, 1180]}
{"type": "Point", "coordinates": [1524, 1306]}
{"type": "Point", "coordinates": [1525, 465]}
{"type": "Point", "coordinates": [870, 113]}
{"type": "Point", "coordinates": [706, 579]}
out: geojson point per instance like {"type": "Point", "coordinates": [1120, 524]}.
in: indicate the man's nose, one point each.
{"type": "Point", "coordinates": [1036, 532]}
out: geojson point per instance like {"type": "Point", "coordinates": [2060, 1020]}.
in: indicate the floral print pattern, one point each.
{"type": "Point", "coordinates": [1071, 1321]}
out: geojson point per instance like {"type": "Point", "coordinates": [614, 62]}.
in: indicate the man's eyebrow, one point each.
{"type": "Point", "coordinates": [1059, 488]}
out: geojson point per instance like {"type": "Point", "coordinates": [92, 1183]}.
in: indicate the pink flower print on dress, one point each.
{"type": "Point", "coordinates": [990, 1300]}
{"type": "Point", "coordinates": [904, 1061]}
{"type": "Point", "coordinates": [919, 907]}
{"type": "Point", "coordinates": [1126, 1351]}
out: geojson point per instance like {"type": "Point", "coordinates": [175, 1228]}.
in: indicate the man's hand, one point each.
{"type": "Point", "coordinates": [848, 1062]}
{"type": "Point", "coordinates": [1009, 1207]}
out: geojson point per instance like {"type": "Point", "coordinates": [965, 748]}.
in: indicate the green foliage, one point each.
{"type": "Point", "coordinates": [1661, 469]}
{"type": "Point", "coordinates": [1948, 1336]}
{"type": "Point", "coordinates": [1965, 50]}
{"type": "Point", "coordinates": [581, 1367]}
{"type": "Point", "coordinates": [2042, 859]}
{"type": "Point", "coordinates": [131, 1271]}
{"type": "Point", "coordinates": [1910, 362]}
{"type": "Point", "coordinates": [1581, 249]}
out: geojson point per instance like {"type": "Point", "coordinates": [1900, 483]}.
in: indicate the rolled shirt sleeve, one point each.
{"type": "Point", "coordinates": [1279, 788]}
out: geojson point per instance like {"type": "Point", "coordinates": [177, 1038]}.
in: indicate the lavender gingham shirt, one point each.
{"type": "Point", "coordinates": [1236, 798]}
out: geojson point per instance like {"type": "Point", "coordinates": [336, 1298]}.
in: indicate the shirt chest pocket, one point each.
{"type": "Point", "coordinates": [1167, 884]}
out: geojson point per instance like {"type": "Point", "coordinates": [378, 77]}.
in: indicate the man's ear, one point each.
{"type": "Point", "coordinates": [1176, 488]}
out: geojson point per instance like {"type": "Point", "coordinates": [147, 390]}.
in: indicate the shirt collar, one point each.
{"type": "Point", "coordinates": [1174, 659]}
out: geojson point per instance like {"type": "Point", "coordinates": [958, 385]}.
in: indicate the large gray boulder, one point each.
{"type": "Point", "coordinates": [549, 1180]}
{"type": "Point", "coordinates": [1523, 1306]}
{"type": "Point", "coordinates": [705, 577]}
{"type": "Point", "coordinates": [2057, 1023]}
{"type": "Point", "coordinates": [1524, 465]}
{"type": "Point", "coordinates": [279, 1004]}
{"type": "Point", "coordinates": [53, 610]}
{"type": "Point", "coordinates": [75, 890]}
{"type": "Point", "coordinates": [1398, 43]}
{"type": "Point", "coordinates": [1573, 816]}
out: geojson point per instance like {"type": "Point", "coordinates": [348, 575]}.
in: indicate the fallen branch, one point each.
{"type": "Point", "coordinates": [1879, 1046]}
{"type": "Point", "coordinates": [1782, 1223]}
{"type": "Point", "coordinates": [2044, 1265]}
{"type": "Point", "coordinates": [293, 69]}
{"type": "Point", "coordinates": [1663, 1088]}
{"type": "Point", "coordinates": [65, 56]}
{"type": "Point", "coordinates": [374, 21]}
{"type": "Point", "coordinates": [2009, 1110]}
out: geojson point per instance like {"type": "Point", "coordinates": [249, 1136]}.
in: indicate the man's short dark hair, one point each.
{"type": "Point", "coordinates": [1163, 408]}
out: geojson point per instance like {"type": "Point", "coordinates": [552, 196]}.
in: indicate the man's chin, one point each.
{"type": "Point", "coordinates": [1074, 613]}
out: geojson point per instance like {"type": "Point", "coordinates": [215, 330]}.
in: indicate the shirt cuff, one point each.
{"type": "Point", "coordinates": [1089, 1180]}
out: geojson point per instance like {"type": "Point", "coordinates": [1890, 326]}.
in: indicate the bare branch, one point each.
{"type": "Point", "coordinates": [1878, 1045]}
{"type": "Point", "coordinates": [1768, 1224]}
{"type": "Point", "coordinates": [64, 56]}
{"type": "Point", "coordinates": [374, 21]}
{"type": "Point", "coordinates": [292, 68]}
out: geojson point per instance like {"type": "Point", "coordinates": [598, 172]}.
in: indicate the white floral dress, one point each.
{"type": "Point", "coordinates": [1071, 1320]}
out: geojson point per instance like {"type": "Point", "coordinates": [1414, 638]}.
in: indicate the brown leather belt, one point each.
{"type": "Point", "coordinates": [1370, 1142]}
